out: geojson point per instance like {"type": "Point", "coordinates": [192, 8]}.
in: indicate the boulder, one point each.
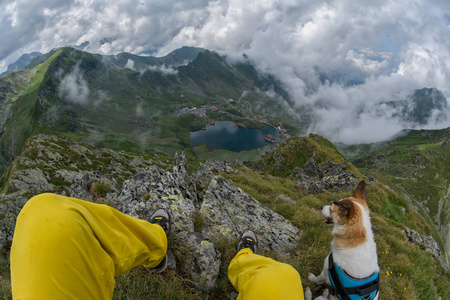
{"type": "Point", "coordinates": [31, 180]}
{"type": "Point", "coordinates": [9, 210]}
{"type": "Point", "coordinates": [95, 185]}
{"type": "Point", "coordinates": [326, 176]}
{"type": "Point", "coordinates": [428, 242]}
{"type": "Point", "coordinates": [203, 263]}
{"type": "Point", "coordinates": [229, 211]}
{"type": "Point", "coordinates": [155, 188]}
{"type": "Point", "coordinates": [206, 171]}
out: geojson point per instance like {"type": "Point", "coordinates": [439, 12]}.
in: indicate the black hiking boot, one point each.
{"type": "Point", "coordinates": [248, 240]}
{"type": "Point", "coordinates": [162, 218]}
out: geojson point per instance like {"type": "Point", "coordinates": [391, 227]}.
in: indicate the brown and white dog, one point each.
{"type": "Point", "coordinates": [353, 250]}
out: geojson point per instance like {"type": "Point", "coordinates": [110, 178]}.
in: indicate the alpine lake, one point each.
{"type": "Point", "coordinates": [227, 135]}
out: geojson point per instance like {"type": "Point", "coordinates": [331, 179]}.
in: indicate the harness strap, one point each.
{"type": "Point", "coordinates": [338, 285]}
{"type": "Point", "coordinates": [344, 292]}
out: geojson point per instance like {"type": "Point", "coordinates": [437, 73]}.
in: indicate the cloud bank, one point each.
{"type": "Point", "coordinates": [371, 52]}
{"type": "Point", "coordinates": [74, 88]}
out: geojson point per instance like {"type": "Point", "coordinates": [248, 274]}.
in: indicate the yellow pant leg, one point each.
{"type": "Point", "coordinates": [66, 248]}
{"type": "Point", "coordinates": [258, 277]}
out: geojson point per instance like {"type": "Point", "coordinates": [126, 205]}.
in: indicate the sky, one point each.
{"type": "Point", "coordinates": [390, 48]}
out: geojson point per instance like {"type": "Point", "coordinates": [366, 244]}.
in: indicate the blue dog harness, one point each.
{"type": "Point", "coordinates": [346, 287]}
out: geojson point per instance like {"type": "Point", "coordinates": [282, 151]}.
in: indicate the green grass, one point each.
{"type": "Point", "coordinates": [415, 273]}
{"type": "Point", "coordinates": [203, 152]}
{"type": "Point", "coordinates": [140, 284]}
{"type": "Point", "coordinates": [295, 152]}
{"type": "Point", "coordinates": [417, 164]}
{"type": "Point", "coordinates": [5, 280]}
{"type": "Point", "coordinates": [407, 272]}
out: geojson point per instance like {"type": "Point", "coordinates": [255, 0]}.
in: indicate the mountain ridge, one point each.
{"type": "Point", "coordinates": [78, 86]}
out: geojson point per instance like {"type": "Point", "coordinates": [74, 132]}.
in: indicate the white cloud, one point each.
{"type": "Point", "coordinates": [391, 47]}
{"type": "Point", "coordinates": [130, 64]}
{"type": "Point", "coordinates": [74, 88]}
{"type": "Point", "coordinates": [166, 70]}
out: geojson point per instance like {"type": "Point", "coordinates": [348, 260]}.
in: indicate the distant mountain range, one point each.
{"type": "Point", "coordinates": [424, 105]}
{"type": "Point", "coordinates": [129, 101]}
{"type": "Point", "coordinates": [126, 101]}
{"type": "Point", "coordinates": [21, 63]}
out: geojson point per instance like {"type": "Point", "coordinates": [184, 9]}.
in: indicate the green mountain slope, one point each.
{"type": "Point", "coordinates": [124, 101]}
{"type": "Point", "coordinates": [22, 108]}
{"type": "Point", "coordinates": [418, 165]}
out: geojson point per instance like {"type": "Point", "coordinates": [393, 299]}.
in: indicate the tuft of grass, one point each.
{"type": "Point", "coordinates": [141, 284]}
{"type": "Point", "coordinates": [227, 248]}
{"type": "Point", "coordinates": [199, 222]}
{"type": "Point", "coordinates": [99, 189]}
{"type": "Point", "coordinates": [5, 280]}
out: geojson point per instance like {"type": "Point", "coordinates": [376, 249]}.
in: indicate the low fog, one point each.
{"type": "Point", "coordinates": [74, 88]}
{"type": "Point", "coordinates": [368, 52]}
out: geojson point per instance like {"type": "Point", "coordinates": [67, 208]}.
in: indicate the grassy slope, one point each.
{"type": "Point", "coordinates": [407, 271]}
{"type": "Point", "coordinates": [26, 110]}
{"type": "Point", "coordinates": [415, 274]}
{"type": "Point", "coordinates": [417, 164]}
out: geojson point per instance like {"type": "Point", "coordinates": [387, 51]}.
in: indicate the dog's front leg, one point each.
{"type": "Point", "coordinates": [318, 280]}
{"type": "Point", "coordinates": [325, 296]}
{"type": "Point", "coordinates": [323, 277]}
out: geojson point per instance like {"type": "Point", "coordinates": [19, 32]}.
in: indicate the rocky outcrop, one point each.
{"type": "Point", "coordinates": [95, 185]}
{"type": "Point", "coordinates": [225, 211]}
{"type": "Point", "coordinates": [428, 242]}
{"type": "Point", "coordinates": [204, 206]}
{"type": "Point", "coordinates": [319, 178]}
{"type": "Point", "coordinates": [59, 165]}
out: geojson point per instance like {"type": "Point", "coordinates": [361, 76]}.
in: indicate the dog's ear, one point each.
{"type": "Point", "coordinates": [345, 206]}
{"type": "Point", "coordinates": [360, 191]}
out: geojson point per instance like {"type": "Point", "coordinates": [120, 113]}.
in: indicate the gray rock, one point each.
{"type": "Point", "coordinates": [206, 171]}
{"type": "Point", "coordinates": [9, 210]}
{"type": "Point", "coordinates": [229, 211]}
{"type": "Point", "coordinates": [69, 175]}
{"type": "Point", "coordinates": [286, 199]}
{"type": "Point", "coordinates": [152, 189]}
{"type": "Point", "coordinates": [30, 180]}
{"type": "Point", "coordinates": [204, 262]}
{"type": "Point", "coordinates": [324, 177]}
{"type": "Point", "coordinates": [95, 185]}
{"type": "Point", "coordinates": [226, 210]}
{"type": "Point", "coordinates": [428, 242]}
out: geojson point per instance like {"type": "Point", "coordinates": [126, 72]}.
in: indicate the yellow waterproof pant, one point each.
{"type": "Point", "coordinates": [258, 277]}
{"type": "Point", "coordinates": [66, 248]}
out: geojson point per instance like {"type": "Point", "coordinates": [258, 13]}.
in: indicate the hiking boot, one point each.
{"type": "Point", "coordinates": [159, 268]}
{"type": "Point", "coordinates": [248, 240]}
{"type": "Point", "coordinates": [162, 218]}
